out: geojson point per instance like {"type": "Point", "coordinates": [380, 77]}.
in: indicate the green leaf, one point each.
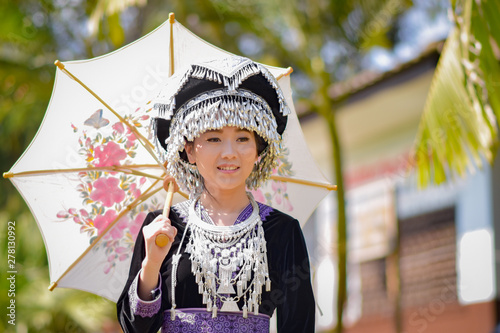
{"type": "Point", "coordinates": [490, 10]}
{"type": "Point", "coordinates": [463, 105]}
{"type": "Point", "coordinates": [448, 125]}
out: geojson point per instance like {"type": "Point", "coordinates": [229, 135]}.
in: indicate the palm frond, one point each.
{"type": "Point", "coordinates": [459, 126]}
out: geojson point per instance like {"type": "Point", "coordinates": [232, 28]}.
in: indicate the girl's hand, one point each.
{"type": "Point", "coordinates": [148, 279]}
{"type": "Point", "coordinates": [155, 254]}
{"type": "Point", "coordinates": [170, 179]}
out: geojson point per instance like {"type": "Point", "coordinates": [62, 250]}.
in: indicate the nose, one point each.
{"type": "Point", "coordinates": [228, 149]}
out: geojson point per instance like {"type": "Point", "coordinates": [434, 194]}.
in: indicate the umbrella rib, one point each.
{"type": "Point", "coordinates": [145, 142]}
{"type": "Point", "coordinates": [124, 169]}
{"type": "Point", "coordinates": [171, 20]}
{"type": "Point", "coordinates": [288, 72]}
{"type": "Point", "coordinates": [145, 195]}
{"type": "Point", "coordinates": [329, 187]}
{"type": "Point", "coordinates": [128, 208]}
{"type": "Point", "coordinates": [181, 193]}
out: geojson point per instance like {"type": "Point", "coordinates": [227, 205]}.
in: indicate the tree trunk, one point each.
{"type": "Point", "coordinates": [326, 110]}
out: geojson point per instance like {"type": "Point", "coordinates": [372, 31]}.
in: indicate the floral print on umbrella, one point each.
{"type": "Point", "coordinates": [278, 196]}
{"type": "Point", "coordinates": [106, 194]}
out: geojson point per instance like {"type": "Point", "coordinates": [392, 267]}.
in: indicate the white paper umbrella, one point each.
{"type": "Point", "coordinates": [91, 174]}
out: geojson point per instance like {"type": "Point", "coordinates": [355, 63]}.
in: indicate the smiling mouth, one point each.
{"type": "Point", "coordinates": [231, 168]}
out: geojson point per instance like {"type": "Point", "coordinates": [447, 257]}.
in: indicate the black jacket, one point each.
{"type": "Point", "coordinates": [291, 291]}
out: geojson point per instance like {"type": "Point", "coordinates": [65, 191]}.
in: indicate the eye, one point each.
{"type": "Point", "coordinates": [213, 139]}
{"type": "Point", "coordinates": [243, 139]}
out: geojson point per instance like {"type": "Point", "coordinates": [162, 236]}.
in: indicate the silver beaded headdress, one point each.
{"type": "Point", "coordinates": [233, 91]}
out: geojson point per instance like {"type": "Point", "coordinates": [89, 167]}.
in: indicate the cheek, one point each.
{"type": "Point", "coordinates": [196, 152]}
{"type": "Point", "coordinates": [205, 156]}
{"type": "Point", "coordinates": [250, 154]}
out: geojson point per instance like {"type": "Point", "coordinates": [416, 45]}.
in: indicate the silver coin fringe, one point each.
{"type": "Point", "coordinates": [213, 110]}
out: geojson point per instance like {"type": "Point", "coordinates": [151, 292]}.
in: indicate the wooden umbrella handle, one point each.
{"type": "Point", "coordinates": [161, 239]}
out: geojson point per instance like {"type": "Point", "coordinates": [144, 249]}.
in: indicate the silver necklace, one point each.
{"type": "Point", "coordinates": [225, 257]}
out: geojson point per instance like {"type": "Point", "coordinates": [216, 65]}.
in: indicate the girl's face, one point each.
{"type": "Point", "coordinates": [224, 157]}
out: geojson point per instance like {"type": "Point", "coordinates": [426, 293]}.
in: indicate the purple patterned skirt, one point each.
{"type": "Point", "coordinates": [195, 320]}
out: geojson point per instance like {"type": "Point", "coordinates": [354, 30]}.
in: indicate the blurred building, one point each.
{"type": "Point", "coordinates": [439, 274]}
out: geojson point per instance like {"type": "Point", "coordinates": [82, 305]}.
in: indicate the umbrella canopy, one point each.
{"type": "Point", "coordinates": [91, 173]}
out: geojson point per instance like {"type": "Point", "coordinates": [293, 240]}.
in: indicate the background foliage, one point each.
{"type": "Point", "coordinates": [459, 129]}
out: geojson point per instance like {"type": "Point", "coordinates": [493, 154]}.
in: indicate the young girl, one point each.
{"type": "Point", "coordinates": [231, 261]}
